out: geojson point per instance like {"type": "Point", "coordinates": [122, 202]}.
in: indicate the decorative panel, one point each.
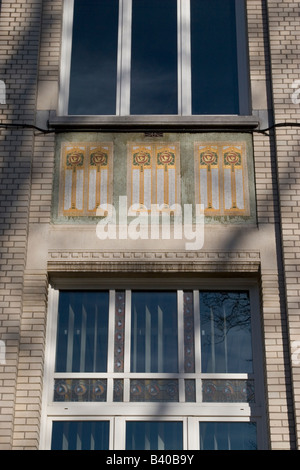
{"type": "Point", "coordinates": [86, 179]}
{"type": "Point", "coordinates": [80, 390]}
{"type": "Point", "coordinates": [118, 390]}
{"type": "Point", "coordinates": [221, 178]}
{"type": "Point", "coordinates": [190, 390]}
{"type": "Point", "coordinates": [152, 390]}
{"type": "Point", "coordinates": [153, 176]}
{"type": "Point", "coordinates": [189, 346]}
{"type": "Point", "coordinates": [228, 391]}
{"type": "Point", "coordinates": [119, 331]}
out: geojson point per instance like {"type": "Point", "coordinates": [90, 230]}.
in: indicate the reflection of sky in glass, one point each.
{"type": "Point", "coordinates": [154, 435]}
{"type": "Point", "coordinates": [82, 332]}
{"type": "Point", "coordinates": [80, 435]}
{"type": "Point", "coordinates": [154, 57]}
{"type": "Point", "coordinates": [154, 332]}
{"type": "Point", "coordinates": [94, 57]}
{"type": "Point", "coordinates": [228, 436]}
{"type": "Point", "coordinates": [214, 57]}
{"type": "Point", "coordinates": [225, 332]}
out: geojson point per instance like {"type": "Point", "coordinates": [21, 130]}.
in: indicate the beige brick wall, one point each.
{"type": "Point", "coordinates": [284, 26]}
{"type": "Point", "coordinates": [19, 34]}
{"type": "Point", "coordinates": [277, 373]}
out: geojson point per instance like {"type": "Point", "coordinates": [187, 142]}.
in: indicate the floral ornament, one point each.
{"type": "Point", "coordinates": [80, 389]}
{"type": "Point", "coordinates": [99, 390]}
{"type": "Point", "coordinates": [232, 158]}
{"type": "Point", "coordinates": [166, 158]}
{"type": "Point", "coordinates": [99, 158]}
{"type": "Point", "coordinates": [208, 157]}
{"type": "Point", "coordinates": [75, 158]}
{"type": "Point", "coordinates": [141, 158]}
{"type": "Point", "coordinates": [61, 390]}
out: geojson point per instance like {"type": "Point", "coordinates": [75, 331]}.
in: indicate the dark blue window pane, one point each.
{"type": "Point", "coordinates": [228, 436]}
{"type": "Point", "coordinates": [94, 57]}
{"type": "Point", "coordinates": [226, 344]}
{"type": "Point", "coordinates": [154, 332]}
{"type": "Point", "coordinates": [154, 57]}
{"type": "Point", "coordinates": [82, 332]}
{"type": "Point", "coordinates": [154, 435]}
{"type": "Point", "coordinates": [80, 435]}
{"type": "Point", "coordinates": [214, 57]}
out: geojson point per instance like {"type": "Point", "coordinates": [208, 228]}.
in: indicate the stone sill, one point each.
{"type": "Point", "coordinates": [153, 123]}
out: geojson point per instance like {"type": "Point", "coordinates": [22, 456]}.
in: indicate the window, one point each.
{"type": "Point", "coordinates": [148, 57]}
{"type": "Point", "coordinates": [160, 368]}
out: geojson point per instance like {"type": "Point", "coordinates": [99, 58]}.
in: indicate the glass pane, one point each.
{"type": "Point", "coordinates": [119, 331]}
{"type": "Point", "coordinates": [214, 57]}
{"type": "Point", "coordinates": [118, 390]}
{"type": "Point", "coordinates": [228, 436]}
{"type": "Point", "coordinates": [188, 318]}
{"type": "Point", "coordinates": [161, 390]}
{"type": "Point", "coordinates": [82, 332]}
{"type": "Point", "coordinates": [94, 57]}
{"type": "Point", "coordinates": [190, 390]}
{"type": "Point", "coordinates": [154, 435]}
{"type": "Point", "coordinates": [225, 332]}
{"type": "Point", "coordinates": [228, 391]}
{"type": "Point", "coordinates": [154, 332]}
{"type": "Point", "coordinates": [154, 57]}
{"type": "Point", "coordinates": [80, 390]}
{"type": "Point", "coordinates": [80, 435]}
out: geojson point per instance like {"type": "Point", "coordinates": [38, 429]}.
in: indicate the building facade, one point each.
{"type": "Point", "coordinates": [149, 224]}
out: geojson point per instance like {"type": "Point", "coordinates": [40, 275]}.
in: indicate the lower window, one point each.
{"type": "Point", "coordinates": [164, 368]}
{"type": "Point", "coordinates": [153, 435]}
{"type": "Point", "coordinates": [80, 435]}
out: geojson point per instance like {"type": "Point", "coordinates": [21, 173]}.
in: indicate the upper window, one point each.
{"type": "Point", "coordinates": [148, 57]}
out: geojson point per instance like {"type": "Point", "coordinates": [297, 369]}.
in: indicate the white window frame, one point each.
{"type": "Point", "coordinates": [109, 410]}
{"type": "Point", "coordinates": [124, 60]}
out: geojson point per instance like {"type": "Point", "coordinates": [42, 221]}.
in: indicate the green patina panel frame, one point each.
{"type": "Point", "coordinates": [186, 142]}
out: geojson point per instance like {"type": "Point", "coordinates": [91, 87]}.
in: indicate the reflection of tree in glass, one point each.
{"type": "Point", "coordinates": [225, 311]}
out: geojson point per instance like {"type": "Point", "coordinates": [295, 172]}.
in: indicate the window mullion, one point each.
{"type": "Point", "coordinates": [180, 332]}
{"type": "Point", "coordinates": [127, 345]}
{"type": "Point", "coordinates": [184, 58]}
{"type": "Point", "coordinates": [197, 339]}
{"type": "Point", "coordinates": [110, 346]}
{"type": "Point", "coordinates": [242, 58]}
{"type": "Point", "coordinates": [124, 58]}
{"type": "Point", "coordinates": [66, 57]}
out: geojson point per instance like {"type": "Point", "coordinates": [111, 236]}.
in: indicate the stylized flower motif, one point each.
{"type": "Point", "coordinates": [61, 388]}
{"type": "Point", "coordinates": [153, 389]}
{"type": "Point", "coordinates": [80, 388]}
{"type": "Point", "coordinates": [99, 158]}
{"type": "Point", "coordinates": [165, 158]}
{"type": "Point", "coordinates": [141, 158]}
{"type": "Point", "coordinates": [208, 158]}
{"type": "Point", "coordinates": [136, 389]}
{"type": "Point", "coordinates": [75, 158]}
{"type": "Point", "coordinates": [99, 388]}
{"type": "Point", "coordinates": [232, 158]}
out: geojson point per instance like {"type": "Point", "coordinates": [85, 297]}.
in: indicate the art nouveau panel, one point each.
{"type": "Point", "coordinates": [153, 176]}
{"type": "Point", "coordinates": [85, 179]}
{"type": "Point", "coordinates": [221, 178]}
